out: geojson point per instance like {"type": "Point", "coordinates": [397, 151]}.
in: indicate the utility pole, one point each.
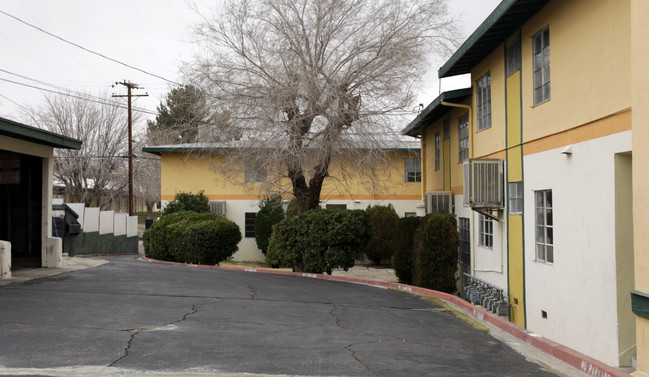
{"type": "Point", "coordinates": [130, 86]}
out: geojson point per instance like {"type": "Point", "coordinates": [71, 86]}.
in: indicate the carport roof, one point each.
{"type": "Point", "coordinates": [36, 135]}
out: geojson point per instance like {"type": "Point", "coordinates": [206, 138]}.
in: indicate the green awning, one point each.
{"type": "Point", "coordinates": [36, 135]}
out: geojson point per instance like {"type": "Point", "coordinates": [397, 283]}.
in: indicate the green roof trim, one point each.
{"type": "Point", "coordinates": [640, 304]}
{"type": "Point", "coordinates": [35, 135]}
{"type": "Point", "coordinates": [435, 110]}
{"type": "Point", "coordinates": [508, 16]}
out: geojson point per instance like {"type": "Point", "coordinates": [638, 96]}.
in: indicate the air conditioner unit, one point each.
{"type": "Point", "coordinates": [483, 183]}
{"type": "Point", "coordinates": [217, 207]}
{"type": "Point", "coordinates": [438, 202]}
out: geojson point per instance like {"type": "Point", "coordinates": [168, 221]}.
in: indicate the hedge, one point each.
{"type": "Point", "coordinates": [385, 221]}
{"type": "Point", "coordinates": [403, 257]}
{"type": "Point", "coordinates": [319, 240]}
{"type": "Point", "coordinates": [191, 237]}
{"type": "Point", "coordinates": [270, 213]}
{"type": "Point", "coordinates": [436, 253]}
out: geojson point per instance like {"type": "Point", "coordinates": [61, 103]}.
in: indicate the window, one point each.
{"type": "Point", "coordinates": [513, 57]}
{"type": "Point", "coordinates": [486, 229]}
{"type": "Point", "coordinates": [515, 198]}
{"type": "Point", "coordinates": [249, 231]}
{"type": "Point", "coordinates": [544, 226]}
{"type": "Point", "coordinates": [255, 172]}
{"type": "Point", "coordinates": [412, 169]}
{"type": "Point", "coordinates": [437, 151]}
{"type": "Point", "coordinates": [483, 100]}
{"type": "Point", "coordinates": [465, 241]}
{"type": "Point", "coordinates": [336, 206]}
{"type": "Point", "coordinates": [463, 138]}
{"type": "Point", "coordinates": [410, 214]}
{"type": "Point", "coordinates": [541, 51]}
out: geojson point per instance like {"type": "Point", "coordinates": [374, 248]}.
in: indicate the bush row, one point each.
{"type": "Point", "coordinates": [427, 255]}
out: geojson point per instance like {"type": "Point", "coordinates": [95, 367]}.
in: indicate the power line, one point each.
{"type": "Point", "coordinates": [88, 50]}
{"type": "Point", "coordinates": [108, 103]}
{"type": "Point", "coordinates": [81, 94]}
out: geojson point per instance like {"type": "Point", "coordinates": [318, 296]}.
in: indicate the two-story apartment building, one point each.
{"type": "Point", "coordinates": [537, 157]}
{"type": "Point", "coordinates": [235, 189]}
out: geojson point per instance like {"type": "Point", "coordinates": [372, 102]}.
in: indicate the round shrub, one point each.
{"type": "Point", "coordinates": [384, 230]}
{"type": "Point", "coordinates": [188, 202]}
{"type": "Point", "coordinates": [319, 240]}
{"type": "Point", "coordinates": [402, 259]}
{"type": "Point", "coordinates": [270, 213]}
{"type": "Point", "coordinates": [436, 253]}
{"type": "Point", "coordinates": [191, 237]}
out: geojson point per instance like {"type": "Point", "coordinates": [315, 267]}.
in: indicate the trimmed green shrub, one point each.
{"type": "Point", "coordinates": [192, 237]}
{"type": "Point", "coordinates": [270, 213]}
{"type": "Point", "coordinates": [319, 240]}
{"type": "Point", "coordinates": [188, 202]}
{"type": "Point", "coordinates": [436, 253]}
{"type": "Point", "coordinates": [384, 230]}
{"type": "Point", "coordinates": [403, 257]}
{"type": "Point", "coordinates": [292, 209]}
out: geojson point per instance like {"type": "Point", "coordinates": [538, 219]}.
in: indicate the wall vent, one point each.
{"type": "Point", "coordinates": [439, 202]}
{"type": "Point", "coordinates": [483, 183]}
{"type": "Point", "coordinates": [217, 207]}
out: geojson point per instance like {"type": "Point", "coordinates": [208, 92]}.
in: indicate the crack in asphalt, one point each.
{"type": "Point", "coordinates": [137, 331]}
{"type": "Point", "coordinates": [253, 290]}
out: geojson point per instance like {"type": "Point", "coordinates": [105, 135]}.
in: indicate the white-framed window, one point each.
{"type": "Point", "coordinates": [255, 172]}
{"type": "Point", "coordinates": [483, 101]}
{"type": "Point", "coordinates": [437, 151]}
{"type": "Point", "coordinates": [249, 224]}
{"type": "Point", "coordinates": [412, 169]}
{"type": "Point", "coordinates": [544, 226]}
{"type": "Point", "coordinates": [515, 197]}
{"type": "Point", "coordinates": [541, 59]}
{"type": "Point", "coordinates": [485, 231]}
{"type": "Point", "coordinates": [463, 138]}
{"type": "Point", "coordinates": [465, 241]}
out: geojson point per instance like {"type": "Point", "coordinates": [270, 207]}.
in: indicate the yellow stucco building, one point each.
{"type": "Point", "coordinates": [234, 190]}
{"type": "Point", "coordinates": [543, 159]}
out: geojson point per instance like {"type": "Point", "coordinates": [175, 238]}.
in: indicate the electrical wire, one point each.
{"type": "Point", "coordinates": [88, 50]}
{"type": "Point", "coordinates": [101, 102]}
{"type": "Point", "coordinates": [81, 94]}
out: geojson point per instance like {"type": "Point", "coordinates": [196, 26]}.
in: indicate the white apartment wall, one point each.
{"type": "Point", "coordinates": [577, 291]}
{"type": "Point", "coordinates": [487, 264]}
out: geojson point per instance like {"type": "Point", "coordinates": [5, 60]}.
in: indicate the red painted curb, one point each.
{"type": "Point", "coordinates": [586, 364]}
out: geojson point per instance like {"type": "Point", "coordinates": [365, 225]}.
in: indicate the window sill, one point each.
{"type": "Point", "coordinates": [541, 103]}
{"type": "Point", "coordinates": [543, 262]}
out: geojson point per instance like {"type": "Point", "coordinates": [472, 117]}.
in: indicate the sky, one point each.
{"type": "Point", "coordinates": [154, 36]}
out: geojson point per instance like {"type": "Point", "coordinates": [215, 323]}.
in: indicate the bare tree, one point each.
{"type": "Point", "coordinates": [146, 183]}
{"type": "Point", "coordinates": [97, 173]}
{"type": "Point", "coordinates": [311, 81]}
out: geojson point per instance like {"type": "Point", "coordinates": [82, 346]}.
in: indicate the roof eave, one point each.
{"type": "Point", "coordinates": [36, 135]}
{"type": "Point", "coordinates": [508, 16]}
{"type": "Point", "coordinates": [430, 113]}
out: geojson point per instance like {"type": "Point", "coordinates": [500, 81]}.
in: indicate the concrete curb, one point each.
{"type": "Point", "coordinates": [586, 364]}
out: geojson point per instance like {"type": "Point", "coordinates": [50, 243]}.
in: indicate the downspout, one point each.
{"type": "Point", "coordinates": [468, 108]}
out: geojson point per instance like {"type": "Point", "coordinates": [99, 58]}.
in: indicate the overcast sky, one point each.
{"type": "Point", "coordinates": [151, 35]}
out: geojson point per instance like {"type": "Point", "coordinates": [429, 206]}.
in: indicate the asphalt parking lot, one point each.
{"type": "Point", "coordinates": [129, 317]}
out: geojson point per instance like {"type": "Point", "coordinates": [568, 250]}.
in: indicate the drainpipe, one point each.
{"type": "Point", "coordinates": [470, 110]}
{"type": "Point", "coordinates": [467, 107]}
